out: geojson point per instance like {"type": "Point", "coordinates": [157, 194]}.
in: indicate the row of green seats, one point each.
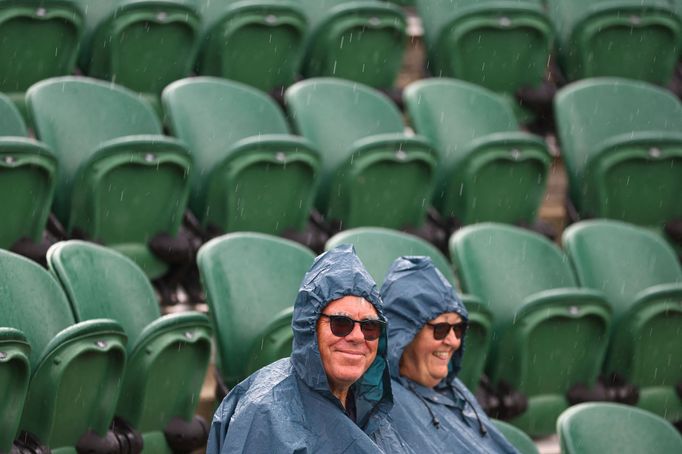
{"type": "Point", "coordinates": [599, 322]}
{"type": "Point", "coordinates": [85, 344]}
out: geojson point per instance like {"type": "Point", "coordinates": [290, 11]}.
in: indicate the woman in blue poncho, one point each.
{"type": "Point", "coordinates": [433, 410]}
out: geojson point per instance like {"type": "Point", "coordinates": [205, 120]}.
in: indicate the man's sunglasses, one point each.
{"type": "Point", "coordinates": [342, 326]}
{"type": "Point", "coordinates": [441, 330]}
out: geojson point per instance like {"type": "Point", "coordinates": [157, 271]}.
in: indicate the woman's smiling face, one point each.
{"type": "Point", "coordinates": [425, 360]}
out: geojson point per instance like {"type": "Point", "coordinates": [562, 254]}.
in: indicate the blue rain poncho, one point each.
{"type": "Point", "coordinates": [287, 407]}
{"type": "Point", "coordinates": [446, 418]}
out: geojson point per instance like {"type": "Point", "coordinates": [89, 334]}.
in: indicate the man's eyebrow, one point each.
{"type": "Point", "coordinates": [346, 314]}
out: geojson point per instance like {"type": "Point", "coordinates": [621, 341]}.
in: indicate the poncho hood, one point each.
{"type": "Point", "coordinates": [415, 292]}
{"type": "Point", "coordinates": [335, 274]}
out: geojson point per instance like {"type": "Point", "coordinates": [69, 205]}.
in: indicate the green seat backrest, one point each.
{"type": "Point", "coordinates": [251, 280]}
{"type": "Point", "coordinates": [620, 38]}
{"type": "Point", "coordinates": [516, 437]}
{"type": "Point", "coordinates": [596, 428]}
{"type": "Point", "coordinates": [642, 279]}
{"type": "Point", "coordinates": [120, 181]}
{"type": "Point", "coordinates": [503, 45]}
{"type": "Point", "coordinates": [489, 170]}
{"type": "Point", "coordinates": [621, 143]}
{"type": "Point", "coordinates": [76, 369]}
{"type": "Point", "coordinates": [27, 179]}
{"type": "Point", "coordinates": [259, 42]}
{"type": "Point", "coordinates": [167, 356]}
{"type": "Point", "coordinates": [40, 38]}
{"type": "Point", "coordinates": [141, 44]}
{"type": "Point", "coordinates": [371, 173]}
{"type": "Point", "coordinates": [360, 40]}
{"type": "Point", "coordinates": [378, 248]}
{"type": "Point", "coordinates": [528, 285]}
{"type": "Point", "coordinates": [14, 378]}
{"type": "Point", "coordinates": [250, 173]}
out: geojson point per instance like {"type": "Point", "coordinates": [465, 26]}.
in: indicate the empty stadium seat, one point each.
{"type": "Point", "coordinates": [621, 141]}
{"type": "Point", "coordinates": [621, 38]}
{"type": "Point", "coordinates": [490, 170]}
{"type": "Point", "coordinates": [642, 280]}
{"type": "Point", "coordinates": [597, 428]}
{"type": "Point", "coordinates": [40, 38]}
{"type": "Point", "coordinates": [516, 437]}
{"type": "Point", "coordinates": [14, 377]}
{"type": "Point", "coordinates": [27, 180]}
{"type": "Point", "coordinates": [548, 334]}
{"type": "Point", "coordinates": [360, 40]}
{"type": "Point", "coordinates": [503, 45]}
{"type": "Point", "coordinates": [76, 368]}
{"type": "Point", "coordinates": [378, 248]}
{"type": "Point", "coordinates": [167, 356]}
{"type": "Point", "coordinates": [372, 173]}
{"type": "Point", "coordinates": [250, 172]}
{"type": "Point", "coordinates": [120, 182]}
{"type": "Point", "coordinates": [141, 44]}
{"type": "Point", "coordinates": [251, 282]}
{"type": "Point", "coordinates": [256, 42]}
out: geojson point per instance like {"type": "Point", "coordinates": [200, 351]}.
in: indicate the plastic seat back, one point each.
{"type": "Point", "coordinates": [14, 378]}
{"type": "Point", "coordinates": [516, 437]}
{"type": "Point", "coordinates": [502, 45]}
{"type": "Point", "coordinates": [619, 38]}
{"type": "Point", "coordinates": [259, 42]}
{"type": "Point", "coordinates": [539, 317]}
{"type": "Point", "coordinates": [593, 428]}
{"type": "Point", "coordinates": [120, 182]}
{"type": "Point", "coordinates": [642, 279]}
{"type": "Point", "coordinates": [76, 368]}
{"type": "Point", "coordinates": [40, 38]}
{"type": "Point", "coordinates": [372, 174]}
{"type": "Point", "coordinates": [359, 40]}
{"type": "Point", "coordinates": [251, 173]}
{"type": "Point", "coordinates": [378, 248]}
{"type": "Point", "coordinates": [27, 179]}
{"type": "Point", "coordinates": [251, 283]}
{"type": "Point", "coordinates": [490, 170]}
{"type": "Point", "coordinates": [167, 356]}
{"type": "Point", "coordinates": [621, 142]}
{"type": "Point", "coordinates": [141, 44]}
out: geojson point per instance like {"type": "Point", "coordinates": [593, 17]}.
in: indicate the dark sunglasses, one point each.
{"type": "Point", "coordinates": [441, 330]}
{"type": "Point", "coordinates": [342, 326]}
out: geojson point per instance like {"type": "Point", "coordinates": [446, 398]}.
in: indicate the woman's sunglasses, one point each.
{"type": "Point", "coordinates": [342, 326]}
{"type": "Point", "coordinates": [441, 330]}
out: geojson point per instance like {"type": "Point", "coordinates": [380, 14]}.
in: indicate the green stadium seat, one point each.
{"type": "Point", "coordinates": [27, 178]}
{"type": "Point", "coordinates": [621, 141]}
{"type": "Point", "coordinates": [598, 428]}
{"type": "Point", "coordinates": [251, 282]}
{"type": "Point", "coordinates": [40, 38]}
{"type": "Point", "coordinates": [141, 44]}
{"type": "Point", "coordinates": [120, 181]}
{"type": "Point", "coordinates": [76, 368]}
{"type": "Point", "coordinates": [359, 40]}
{"type": "Point", "coordinates": [167, 356]}
{"type": "Point", "coordinates": [522, 442]}
{"type": "Point", "coordinates": [642, 280]}
{"type": "Point", "coordinates": [256, 42]}
{"type": "Point", "coordinates": [378, 248]}
{"type": "Point", "coordinates": [548, 335]}
{"type": "Point", "coordinates": [503, 45]}
{"type": "Point", "coordinates": [635, 39]}
{"type": "Point", "coordinates": [250, 173]}
{"type": "Point", "coordinates": [372, 173]}
{"type": "Point", "coordinates": [14, 377]}
{"type": "Point", "coordinates": [490, 171]}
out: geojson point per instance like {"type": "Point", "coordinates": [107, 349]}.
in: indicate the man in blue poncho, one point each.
{"type": "Point", "coordinates": [333, 394]}
{"type": "Point", "coordinates": [433, 410]}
